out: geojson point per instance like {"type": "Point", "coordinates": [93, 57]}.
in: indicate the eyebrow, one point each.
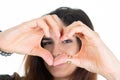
{"type": "Point", "coordinates": [45, 38]}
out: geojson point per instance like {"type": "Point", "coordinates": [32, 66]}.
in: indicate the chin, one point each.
{"type": "Point", "coordinates": [63, 70]}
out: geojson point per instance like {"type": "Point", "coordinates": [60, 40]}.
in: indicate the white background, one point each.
{"type": "Point", "coordinates": [105, 15]}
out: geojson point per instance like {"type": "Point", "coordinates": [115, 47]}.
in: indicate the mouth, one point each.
{"type": "Point", "coordinates": [60, 65]}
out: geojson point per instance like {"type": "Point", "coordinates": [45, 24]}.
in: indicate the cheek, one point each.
{"type": "Point", "coordinates": [72, 49]}
{"type": "Point", "coordinates": [49, 48]}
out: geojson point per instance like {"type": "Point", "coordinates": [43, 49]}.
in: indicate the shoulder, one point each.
{"type": "Point", "coordinates": [15, 76]}
{"type": "Point", "coordinates": [5, 77]}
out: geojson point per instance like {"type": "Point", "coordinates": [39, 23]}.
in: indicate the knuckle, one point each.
{"type": "Point", "coordinates": [97, 34]}
{"type": "Point", "coordinates": [54, 15]}
{"type": "Point", "coordinates": [47, 28]}
{"type": "Point", "coordinates": [78, 22]}
{"type": "Point", "coordinates": [46, 17]}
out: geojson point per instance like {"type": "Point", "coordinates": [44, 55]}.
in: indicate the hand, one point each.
{"type": "Point", "coordinates": [26, 37]}
{"type": "Point", "coordinates": [94, 55]}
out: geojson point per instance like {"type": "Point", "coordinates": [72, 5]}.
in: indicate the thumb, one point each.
{"type": "Point", "coordinates": [45, 54]}
{"type": "Point", "coordinates": [64, 58]}
{"type": "Point", "coordinates": [60, 59]}
{"type": "Point", "coordinates": [80, 61]}
{"type": "Point", "coordinates": [72, 59]}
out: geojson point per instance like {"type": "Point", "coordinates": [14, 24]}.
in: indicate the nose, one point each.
{"type": "Point", "coordinates": [57, 50]}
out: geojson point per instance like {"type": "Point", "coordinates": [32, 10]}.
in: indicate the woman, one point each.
{"type": "Point", "coordinates": [61, 46]}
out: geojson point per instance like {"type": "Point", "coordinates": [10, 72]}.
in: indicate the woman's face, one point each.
{"type": "Point", "coordinates": [58, 47]}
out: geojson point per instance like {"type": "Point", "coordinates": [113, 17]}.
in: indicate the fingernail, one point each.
{"type": "Point", "coordinates": [58, 35]}
{"type": "Point", "coordinates": [47, 34]}
{"type": "Point", "coordinates": [69, 35]}
{"type": "Point", "coordinates": [62, 38]}
{"type": "Point", "coordinates": [51, 63]}
{"type": "Point", "coordinates": [55, 64]}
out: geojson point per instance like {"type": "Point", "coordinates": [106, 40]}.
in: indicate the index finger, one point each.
{"type": "Point", "coordinates": [41, 23]}
{"type": "Point", "coordinates": [52, 24]}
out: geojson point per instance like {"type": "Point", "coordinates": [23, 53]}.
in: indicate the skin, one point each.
{"type": "Point", "coordinates": [57, 47]}
{"type": "Point", "coordinates": [26, 38]}
{"type": "Point", "coordinates": [94, 55]}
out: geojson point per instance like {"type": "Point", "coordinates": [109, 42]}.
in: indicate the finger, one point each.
{"type": "Point", "coordinates": [79, 60]}
{"type": "Point", "coordinates": [43, 53]}
{"type": "Point", "coordinates": [69, 59]}
{"type": "Point", "coordinates": [35, 23]}
{"type": "Point", "coordinates": [58, 20]}
{"type": "Point", "coordinates": [41, 23]}
{"type": "Point", "coordinates": [75, 28]}
{"type": "Point", "coordinates": [63, 58]}
{"type": "Point", "coordinates": [60, 59]}
{"type": "Point", "coordinates": [53, 25]}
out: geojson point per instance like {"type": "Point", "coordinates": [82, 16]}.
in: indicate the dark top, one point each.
{"type": "Point", "coordinates": [15, 76]}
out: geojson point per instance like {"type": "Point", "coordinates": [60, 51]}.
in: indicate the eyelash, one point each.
{"type": "Point", "coordinates": [50, 42]}
{"type": "Point", "coordinates": [67, 41]}
{"type": "Point", "coordinates": [46, 43]}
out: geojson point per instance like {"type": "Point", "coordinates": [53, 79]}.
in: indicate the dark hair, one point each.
{"type": "Point", "coordinates": [69, 15]}
{"type": "Point", "coordinates": [34, 66]}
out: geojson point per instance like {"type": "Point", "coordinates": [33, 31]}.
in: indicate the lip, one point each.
{"type": "Point", "coordinates": [60, 65]}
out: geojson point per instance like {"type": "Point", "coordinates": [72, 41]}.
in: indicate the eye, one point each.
{"type": "Point", "coordinates": [67, 41]}
{"type": "Point", "coordinates": [47, 43]}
